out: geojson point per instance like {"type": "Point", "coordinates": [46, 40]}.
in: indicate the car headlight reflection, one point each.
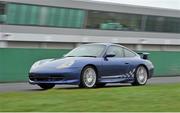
{"type": "Point", "coordinates": [36, 64]}
{"type": "Point", "coordinates": [66, 64]}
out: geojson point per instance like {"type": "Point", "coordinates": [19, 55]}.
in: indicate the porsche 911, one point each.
{"type": "Point", "coordinates": [93, 65]}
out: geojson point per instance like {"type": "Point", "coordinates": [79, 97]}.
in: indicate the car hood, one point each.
{"type": "Point", "coordinates": [54, 65]}
{"type": "Point", "coordinates": [56, 62]}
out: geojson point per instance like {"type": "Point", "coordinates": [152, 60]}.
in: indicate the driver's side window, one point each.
{"type": "Point", "coordinates": [116, 50]}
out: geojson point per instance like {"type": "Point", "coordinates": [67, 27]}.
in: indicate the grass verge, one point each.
{"type": "Point", "coordinates": [159, 98]}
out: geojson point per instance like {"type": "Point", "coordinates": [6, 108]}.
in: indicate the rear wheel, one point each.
{"type": "Point", "coordinates": [46, 86]}
{"type": "Point", "coordinates": [88, 77]}
{"type": "Point", "coordinates": [141, 76]}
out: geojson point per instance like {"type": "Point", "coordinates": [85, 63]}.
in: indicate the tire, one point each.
{"type": "Point", "coordinates": [141, 76]}
{"type": "Point", "coordinates": [46, 86]}
{"type": "Point", "coordinates": [99, 85]}
{"type": "Point", "coordinates": [88, 77]}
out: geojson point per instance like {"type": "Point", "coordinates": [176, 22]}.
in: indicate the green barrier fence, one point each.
{"type": "Point", "coordinates": [167, 63]}
{"type": "Point", "coordinates": [16, 62]}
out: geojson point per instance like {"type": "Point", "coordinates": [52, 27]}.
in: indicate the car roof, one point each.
{"type": "Point", "coordinates": [106, 44]}
{"type": "Point", "coordinates": [111, 44]}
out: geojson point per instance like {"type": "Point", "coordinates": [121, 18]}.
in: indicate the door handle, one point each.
{"type": "Point", "coordinates": [126, 63]}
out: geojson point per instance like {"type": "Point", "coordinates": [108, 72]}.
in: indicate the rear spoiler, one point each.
{"type": "Point", "coordinates": [143, 55]}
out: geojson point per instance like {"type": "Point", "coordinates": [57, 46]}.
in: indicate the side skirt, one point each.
{"type": "Point", "coordinates": [116, 79]}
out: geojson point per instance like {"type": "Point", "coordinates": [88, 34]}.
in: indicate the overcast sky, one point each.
{"type": "Point", "coordinates": [172, 4]}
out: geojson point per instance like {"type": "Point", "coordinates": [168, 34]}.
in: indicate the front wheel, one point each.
{"type": "Point", "coordinates": [46, 86]}
{"type": "Point", "coordinates": [88, 77]}
{"type": "Point", "coordinates": [141, 76]}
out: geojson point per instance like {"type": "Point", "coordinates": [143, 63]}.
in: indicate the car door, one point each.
{"type": "Point", "coordinates": [117, 65]}
{"type": "Point", "coordinates": [130, 56]}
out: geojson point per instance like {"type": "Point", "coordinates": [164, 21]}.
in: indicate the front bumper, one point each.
{"type": "Point", "coordinates": [64, 76]}
{"type": "Point", "coordinates": [151, 72]}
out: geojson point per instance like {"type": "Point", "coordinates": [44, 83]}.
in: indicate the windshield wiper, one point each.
{"type": "Point", "coordinates": [87, 56]}
{"type": "Point", "coordinates": [70, 56]}
{"type": "Point", "coordinates": [82, 56]}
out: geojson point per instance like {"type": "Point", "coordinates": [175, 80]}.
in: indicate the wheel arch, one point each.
{"type": "Point", "coordinates": [92, 65]}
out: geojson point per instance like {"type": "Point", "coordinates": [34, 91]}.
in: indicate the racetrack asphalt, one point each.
{"type": "Point", "coordinates": [25, 86]}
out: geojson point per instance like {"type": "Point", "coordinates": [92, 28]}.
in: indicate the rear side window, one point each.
{"type": "Point", "coordinates": [118, 51]}
{"type": "Point", "coordinates": [129, 53]}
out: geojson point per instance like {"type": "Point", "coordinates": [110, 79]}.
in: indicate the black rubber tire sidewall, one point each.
{"type": "Point", "coordinates": [99, 85]}
{"type": "Point", "coordinates": [46, 86]}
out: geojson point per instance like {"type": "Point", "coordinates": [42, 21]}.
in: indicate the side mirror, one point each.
{"type": "Point", "coordinates": [110, 55]}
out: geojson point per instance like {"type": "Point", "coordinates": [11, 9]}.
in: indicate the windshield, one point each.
{"type": "Point", "coordinates": [86, 51]}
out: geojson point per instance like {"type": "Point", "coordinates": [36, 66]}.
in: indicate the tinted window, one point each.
{"type": "Point", "coordinates": [2, 8]}
{"type": "Point", "coordinates": [113, 21]}
{"type": "Point", "coordinates": [44, 16]}
{"type": "Point", "coordinates": [128, 53]}
{"type": "Point", "coordinates": [162, 24]}
{"type": "Point", "coordinates": [36, 15]}
{"type": "Point", "coordinates": [118, 51]}
{"type": "Point", "coordinates": [2, 12]}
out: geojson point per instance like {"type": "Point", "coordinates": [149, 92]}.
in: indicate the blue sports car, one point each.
{"type": "Point", "coordinates": [93, 65]}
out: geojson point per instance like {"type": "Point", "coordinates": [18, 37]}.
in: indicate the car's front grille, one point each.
{"type": "Point", "coordinates": [40, 77]}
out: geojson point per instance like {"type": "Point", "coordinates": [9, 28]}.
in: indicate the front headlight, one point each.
{"type": "Point", "coordinates": [36, 64]}
{"type": "Point", "coordinates": [66, 64]}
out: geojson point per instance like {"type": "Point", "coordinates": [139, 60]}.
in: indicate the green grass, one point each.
{"type": "Point", "coordinates": [162, 98]}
